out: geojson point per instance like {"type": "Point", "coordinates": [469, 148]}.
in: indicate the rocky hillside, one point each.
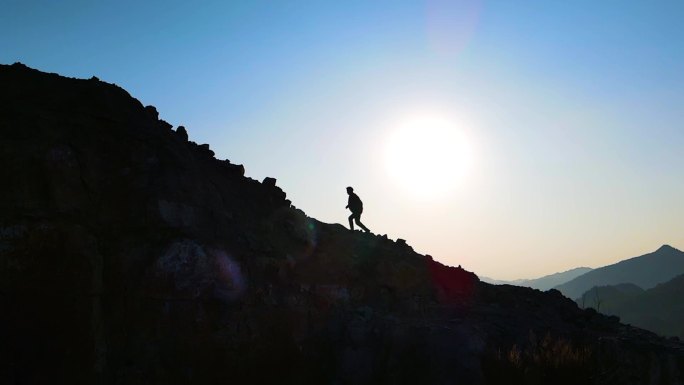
{"type": "Point", "coordinates": [130, 255]}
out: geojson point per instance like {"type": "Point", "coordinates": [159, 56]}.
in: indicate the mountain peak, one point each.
{"type": "Point", "coordinates": [665, 247]}
{"type": "Point", "coordinates": [645, 271]}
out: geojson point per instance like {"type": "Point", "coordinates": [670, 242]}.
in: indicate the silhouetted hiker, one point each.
{"type": "Point", "coordinates": [356, 206]}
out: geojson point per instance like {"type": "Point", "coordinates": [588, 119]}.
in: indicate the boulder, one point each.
{"type": "Point", "coordinates": [182, 133]}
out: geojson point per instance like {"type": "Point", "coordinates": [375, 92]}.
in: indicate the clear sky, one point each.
{"type": "Point", "coordinates": [567, 116]}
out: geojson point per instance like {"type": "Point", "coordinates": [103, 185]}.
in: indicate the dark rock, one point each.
{"type": "Point", "coordinates": [590, 312]}
{"type": "Point", "coordinates": [182, 133]}
{"type": "Point", "coordinates": [204, 150]}
{"type": "Point", "coordinates": [165, 125]}
{"type": "Point", "coordinates": [128, 256]}
{"type": "Point", "coordinates": [233, 169]}
{"type": "Point", "coordinates": [268, 181]}
{"type": "Point", "coordinates": [152, 112]}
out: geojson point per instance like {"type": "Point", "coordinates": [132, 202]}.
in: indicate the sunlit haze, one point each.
{"type": "Point", "coordinates": [428, 156]}
{"type": "Point", "coordinates": [514, 138]}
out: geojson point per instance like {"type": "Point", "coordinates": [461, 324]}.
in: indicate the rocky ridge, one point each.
{"type": "Point", "coordinates": [129, 254]}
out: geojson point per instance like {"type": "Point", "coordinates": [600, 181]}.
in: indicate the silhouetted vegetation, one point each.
{"type": "Point", "coordinates": [549, 360]}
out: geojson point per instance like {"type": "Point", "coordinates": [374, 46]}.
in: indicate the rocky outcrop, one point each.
{"type": "Point", "coordinates": [129, 254]}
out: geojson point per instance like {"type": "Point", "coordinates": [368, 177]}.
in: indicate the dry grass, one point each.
{"type": "Point", "coordinates": [539, 361]}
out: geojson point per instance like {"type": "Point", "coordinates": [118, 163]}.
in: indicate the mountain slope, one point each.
{"type": "Point", "coordinates": [129, 254]}
{"type": "Point", "coordinates": [645, 271]}
{"type": "Point", "coordinates": [607, 298]}
{"type": "Point", "coordinates": [659, 309]}
{"type": "Point", "coordinates": [543, 283]}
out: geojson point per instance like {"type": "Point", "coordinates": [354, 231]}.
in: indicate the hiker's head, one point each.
{"type": "Point", "coordinates": [350, 190]}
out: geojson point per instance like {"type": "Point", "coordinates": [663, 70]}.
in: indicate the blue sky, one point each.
{"type": "Point", "coordinates": [574, 109]}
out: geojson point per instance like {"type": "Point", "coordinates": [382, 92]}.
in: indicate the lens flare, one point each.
{"type": "Point", "coordinates": [231, 283]}
{"type": "Point", "coordinates": [451, 24]}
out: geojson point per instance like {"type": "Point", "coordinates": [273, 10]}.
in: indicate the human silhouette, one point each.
{"type": "Point", "coordinates": [356, 206]}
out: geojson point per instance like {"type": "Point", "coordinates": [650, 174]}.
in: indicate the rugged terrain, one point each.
{"type": "Point", "coordinates": [130, 255]}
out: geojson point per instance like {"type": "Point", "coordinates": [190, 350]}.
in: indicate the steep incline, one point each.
{"type": "Point", "coordinates": [129, 254]}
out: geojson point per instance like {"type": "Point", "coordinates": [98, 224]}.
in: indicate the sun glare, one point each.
{"type": "Point", "coordinates": [428, 157]}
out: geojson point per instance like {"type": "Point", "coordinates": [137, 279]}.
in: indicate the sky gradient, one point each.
{"type": "Point", "coordinates": [574, 111]}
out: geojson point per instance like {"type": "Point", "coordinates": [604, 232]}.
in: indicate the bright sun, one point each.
{"type": "Point", "coordinates": [428, 156]}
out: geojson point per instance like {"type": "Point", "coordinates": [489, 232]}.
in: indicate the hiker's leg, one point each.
{"type": "Point", "coordinates": [351, 224]}
{"type": "Point", "coordinates": [358, 222]}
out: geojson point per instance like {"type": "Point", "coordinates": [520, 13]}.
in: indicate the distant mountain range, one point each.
{"type": "Point", "coordinates": [645, 271]}
{"type": "Point", "coordinates": [645, 291]}
{"type": "Point", "coordinates": [659, 309]}
{"type": "Point", "coordinates": [543, 283]}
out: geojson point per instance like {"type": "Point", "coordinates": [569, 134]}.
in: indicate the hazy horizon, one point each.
{"type": "Point", "coordinates": [517, 140]}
